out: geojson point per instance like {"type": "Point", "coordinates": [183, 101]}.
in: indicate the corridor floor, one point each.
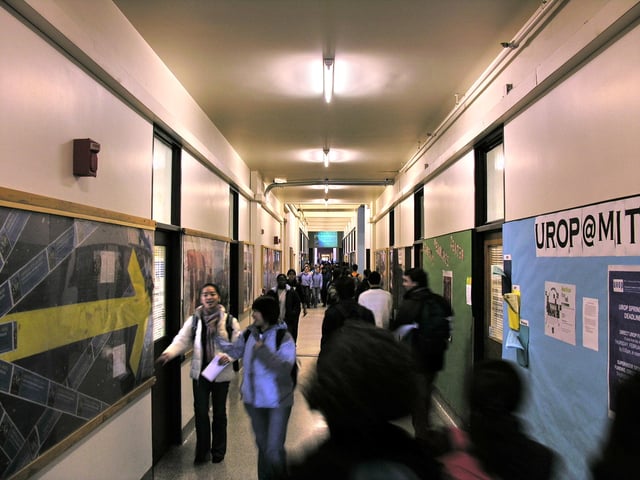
{"type": "Point", "coordinates": [305, 427]}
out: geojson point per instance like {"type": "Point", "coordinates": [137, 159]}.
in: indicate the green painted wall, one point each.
{"type": "Point", "coordinates": [452, 253]}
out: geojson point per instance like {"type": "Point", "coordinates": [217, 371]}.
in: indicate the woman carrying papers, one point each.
{"type": "Point", "coordinates": [208, 322]}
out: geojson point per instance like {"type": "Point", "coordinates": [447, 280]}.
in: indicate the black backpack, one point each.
{"type": "Point", "coordinates": [433, 335]}
{"type": "Point", "coordinates": [279, 336]}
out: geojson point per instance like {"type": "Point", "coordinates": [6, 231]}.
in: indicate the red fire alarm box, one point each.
{"type": "Point", "coordinates": [85, 157]}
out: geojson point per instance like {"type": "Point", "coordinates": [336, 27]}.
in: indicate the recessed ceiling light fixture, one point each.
{"type": "Point", "coordinates": [327, 77]}
{"type": "Point", "coordinates": [326, 157]}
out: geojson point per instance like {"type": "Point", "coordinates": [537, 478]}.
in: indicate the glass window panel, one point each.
{"type": "Point", "coordinates": [495, 183]}
{"type": "Point", "coordinates": [162, 172]}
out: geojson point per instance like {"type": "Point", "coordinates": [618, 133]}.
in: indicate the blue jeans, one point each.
{"type": "Point", "coordinates": [270, 428]}
{"type": "Point", "coordinates": [210, 437]}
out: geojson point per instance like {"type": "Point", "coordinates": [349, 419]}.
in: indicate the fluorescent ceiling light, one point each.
{"type": "Point", "coordinates": [327, 76]}
{"type": "Point", "coordinates": [326, 157]}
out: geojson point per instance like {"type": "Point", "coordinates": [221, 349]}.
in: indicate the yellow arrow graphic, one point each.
{"type": "Point", "coordinates": [50, 328]}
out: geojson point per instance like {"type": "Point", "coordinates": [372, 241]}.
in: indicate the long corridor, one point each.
{"type": "Point", "coordinates": [305, 426]}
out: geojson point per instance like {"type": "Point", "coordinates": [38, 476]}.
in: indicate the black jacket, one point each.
{"type": "Point", "coordinates": [337, 314]}
{"type": "Point", "coordinates": [384, 449]}
{"type": "Point", "coordinates": [431, 339]}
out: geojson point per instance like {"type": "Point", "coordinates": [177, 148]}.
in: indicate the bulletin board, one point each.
{"type": "Point", "coordinates": [380, 262]}
{"type": "Point", "coordinates": [75, 326]}
{"type": "Point", "coordinates": [447, 261]}
{"type": "Point", "coordinates": [577, 271]}
{"type": "Point", "coordinates": [206, 260]}
{"type": "Point", "coordinates": [247, 276]}
{"type": "Point", "coordinates": [271, 267]}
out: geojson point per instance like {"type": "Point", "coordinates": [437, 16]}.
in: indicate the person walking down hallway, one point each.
{"type": "Point", "coordinates": [345, 309]}
{"type": "Point", "coordinates": [306, 282]}
{"type": "Point", "coordinates": [364, 383]}
{"type": "Point", "coordinates": [377, 300]}
{"type": "Point", "coordinates": [268, 356]}
{"type": "Point", "coordinates": [621, 450]}
{"type": "Point", "coordinates": [316, 286]}
{"type": "Point", "coordinates": [429, 345]}
{"type": "Point", "coordinates": [294, 283]}
{"type": "Point", "coordinates": [289, 303]}
{"type": "Point", "coordinates": [199, 332]}
{"type": "Point", "coordinates": [495, 393]}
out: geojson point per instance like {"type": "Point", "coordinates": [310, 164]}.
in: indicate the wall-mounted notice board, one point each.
{"type": "Point", "coordinates": [205, 260]}
{"type": "Point", "coordinates": [75, 326]}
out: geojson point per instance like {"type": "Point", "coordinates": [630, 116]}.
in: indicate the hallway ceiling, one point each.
{"type": "Point", "coordinates": [255, 68]}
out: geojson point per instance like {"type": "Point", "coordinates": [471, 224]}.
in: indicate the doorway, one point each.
{"type": "Point", "coordinates": [165, 394]}
{"type": "Point", "coordinates": [493, 301]}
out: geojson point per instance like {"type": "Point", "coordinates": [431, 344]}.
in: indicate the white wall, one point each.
{"type": "Point", "coordinates": [575, 30]}
{"type": "Point", "coordinates": [381, 233]}
{"type": "Point", "coordinates": [404, 221]}
{"type": "Point", "coordinates": [244, 219]}
{"type": "Point", "coordinates": [449, 199]}
{"type": "Point", "coordinates": [205, 198]}
{"type": "Point", "coordinates": [579, 144]}
{"type": "Point", "coordinates": [121, 449]}
{"type": "Point", "coordinates": [46, 103]}
{"type": "Point", "coordinates": [97, 32]}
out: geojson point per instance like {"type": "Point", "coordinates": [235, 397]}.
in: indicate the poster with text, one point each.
{"type": "Point", "coordinates": [560, 311]}
{"type": "Point", "coordinates": [624, 324]}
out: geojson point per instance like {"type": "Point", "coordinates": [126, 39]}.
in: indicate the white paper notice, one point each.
{"type": "Point", "coordinates": [119, 355]}
{"type": "Point", "coordinates": [560, 311]}
{"type": "Point", "coordinates": [213, 369]}
{"type": "Point", "coordinates": [590, 323]}
{"type": "Point", "coordinates": [107, 266]}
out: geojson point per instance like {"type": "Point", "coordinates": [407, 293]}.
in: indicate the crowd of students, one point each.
{"type": "Point", "coordinates": [365, 379]}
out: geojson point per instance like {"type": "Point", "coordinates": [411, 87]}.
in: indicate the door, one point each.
{"type": "Point", "coordinates": [165, 394]}
{"type": "Point", "coordinates": [493, 302]}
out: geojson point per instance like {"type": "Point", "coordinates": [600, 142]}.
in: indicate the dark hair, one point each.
{"type": "Point", "coordinates": [281, 275]}
{"type": "Point", "coordinates": [418, 276]}
{"type": "Point", "coordinates": [354, 267]}
{"type": "Point", "coordinates": [356, 393]}
{"type": "Point", "coordinates": [345, 287]}
{"type": "Point", "coordinates": [268, 307]}
{"type": "Point", "coordinates": [495, 388]}
{"type": "Point", "coordinates": [618, 458]}
{"type": "Point", "coordinates": [375, 278]}
{"type": "Point", "coordinates": [208, 284]}
{"type": "Point", "coordinates": [291, 270]}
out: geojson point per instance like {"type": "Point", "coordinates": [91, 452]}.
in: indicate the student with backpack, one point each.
{"type": "Point", "coordinates": [431, 314]}
{"type": "Point", "coordinates": [364, 383]}
{"type": "Point", "coordinates": [346, 308]}
{"type": "Point", "coordinates": [209, 321]}
{"type": "Point", "coordinates": [268, 363]}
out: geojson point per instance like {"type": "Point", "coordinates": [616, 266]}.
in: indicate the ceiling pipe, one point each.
{"type": "Point", "coordinates": [349, 183]}
{"type": "Point", "coordinates": [530, 29]}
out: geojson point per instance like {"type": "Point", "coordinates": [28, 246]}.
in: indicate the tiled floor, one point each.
{"type": "Point", "coordinates": [305, 426]}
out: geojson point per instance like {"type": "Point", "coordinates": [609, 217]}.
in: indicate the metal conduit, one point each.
{"type": "Point", "coordinates": [308, 183]}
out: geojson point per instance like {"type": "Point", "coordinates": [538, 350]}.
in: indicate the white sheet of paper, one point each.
{"type": "Point", "coordinates": [590, 323]}
{"type": "Point", "coordinates": [213, 369]}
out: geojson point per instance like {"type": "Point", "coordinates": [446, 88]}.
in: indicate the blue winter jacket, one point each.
{"type": "Point", "coordinates": [266, 378]}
